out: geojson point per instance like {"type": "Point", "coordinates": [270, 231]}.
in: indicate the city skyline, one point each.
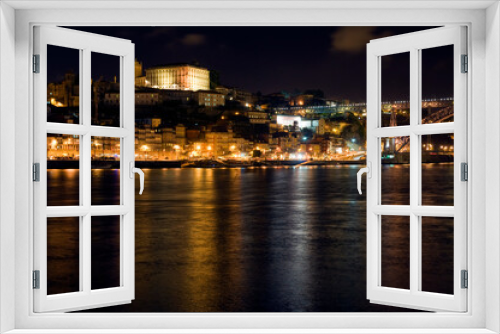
{"type": "Point", "coordinates": [183, 112]}
{"type": "Point", "coordinates": [270, 59]}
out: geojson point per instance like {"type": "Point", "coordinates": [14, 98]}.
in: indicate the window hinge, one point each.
{"type": "Point", "coordinates": [36, 279]}
{"type": "Point", "coordinates": [36, 63]}
{"type": "Point", "coordinates": [36, 172]}
{"type": "Point", "coordinates": [464, 279]}
{"type": "Point", "coordinates": [465, 64]}
{"type": "Point", "coordinates": [464, 167]}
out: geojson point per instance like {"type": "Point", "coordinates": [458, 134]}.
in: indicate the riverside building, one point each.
{"type": "Point", "coordinates": [178, 76]}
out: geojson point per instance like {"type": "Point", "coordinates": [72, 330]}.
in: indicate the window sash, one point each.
{"type": "Point", "coordinates": [86, 44]}
{"type": "Point", "coordinates": [413, 43]}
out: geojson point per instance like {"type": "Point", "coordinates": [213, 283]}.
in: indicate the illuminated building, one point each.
{"type": "Point", "coordinates": [105, 148]}
{"type": "Point", "coordinates": [147, 99]}
{"type": "Point", "coordinates": [154, 97]}
{"type": "Point", "coordinates": [178, 76]}
{"type": "Point", "coordinates": [65, 93]}
{"type": "Point", "coordinates": [301, 100]}
{"type": "Point", "coordinates": [63, 147]}
{"type": "Point", "coordinates": [223, 143]}
{"type": "Point", "coordinates": [287, 120]}
{"type": "Point", "coordinates": [138, 68]}
{"type": "Point", "coordinates": [287, 141]}
{"type": "Point", "coordinates": [257, 117]}
{"type": "Point", "coordinates": [209, 98]}
{"type": "Point", "coordinates": [238, 95]}
{"type": "Point", "coordinates": [142, 98]}
{"type": "Point", "coordinates": [140, 79]}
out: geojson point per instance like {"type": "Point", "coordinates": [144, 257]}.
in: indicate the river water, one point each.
{"type": "Point", "coordinates": [263, 240]}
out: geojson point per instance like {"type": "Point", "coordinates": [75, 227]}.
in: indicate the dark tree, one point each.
{"type": "Point", "coordinates": [355, 129]}
{"type": "Point", "coordinates": [214, 79]}
{"type": "Point", "coordinates": [317, 93]}
{"type": "Point", "coordinates": [307, 133]}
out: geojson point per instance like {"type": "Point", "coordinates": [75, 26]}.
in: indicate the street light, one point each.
{"type": "Point", "coordinates": [176, 148]}
{"type": "Point", "coordinates": [209, 148]}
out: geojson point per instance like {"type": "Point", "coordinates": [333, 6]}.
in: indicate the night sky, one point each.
{"type": "Point", "coordinates": [273, 59]}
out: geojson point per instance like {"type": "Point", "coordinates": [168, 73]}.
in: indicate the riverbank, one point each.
{"type": "Point", "coordinates": [74, 164]}
{"type": "Point", "coordinates": [399, 159]}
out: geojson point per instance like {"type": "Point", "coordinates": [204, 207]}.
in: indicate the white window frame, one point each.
{"type": "Point", "coordinates": [483, 315]}
{"type": "Point", "coordinates": [84, 44]}
{"type": "Point", "coordinates": [414, 44]}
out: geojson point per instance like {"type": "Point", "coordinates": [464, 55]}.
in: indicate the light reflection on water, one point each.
{"type": "Point", "coordinates": [251, 240]}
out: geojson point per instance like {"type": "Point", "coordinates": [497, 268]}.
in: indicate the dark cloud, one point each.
{"type": "Point", "coordinates": [194, 39]}
{"type": "Point", "coordinates": [354, 39]}
{"type": "Point", "coordinates": [159, 32]}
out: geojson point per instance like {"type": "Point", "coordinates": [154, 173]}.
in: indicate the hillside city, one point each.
{"type": "Point", "coordinates": [184, 114]}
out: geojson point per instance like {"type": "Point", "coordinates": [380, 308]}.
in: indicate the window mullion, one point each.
{"type": "Point", "coordinates": [434, 129]}
{"type": "Point", "coordinates": [106, 131]}
{"type": "Point", "coordinates": [85, 251]}
{"type": "Point", "coordinates": [394, 131]}
{"type": "Point", "coordinates": [415, 184]}
{"type": "Point", "coordinates": [86, 170]}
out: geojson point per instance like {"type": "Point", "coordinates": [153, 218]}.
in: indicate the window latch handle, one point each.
{"type": "Point", "coordinates": [139, 171]}
{"type": "Point", "coordinates": [368, 171]}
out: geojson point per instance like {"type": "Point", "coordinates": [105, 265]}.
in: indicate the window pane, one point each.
{"type": "Point", "coordinates": [105, 153]}
{"type": "Point", "coordinates": [437, 254]}
{"type": "Point", "coordinates": [395, 170]}
{"type": "Point", "coordinates": [105, 104]}
{"type": "Point", "coordinates": [105, 252]}
{"type": "Point", "coordinates": [63, 85]}
{"type": "Point", "coordinates": [63, 170]}
{"type": "Point", "coordinates": [63, 255]}
{"type": "Point", "coordinates": [395, 251]}
{"type": "Point", "coordinates": [395, 89]}
{"type": "Point", "coordinates": [437, 85]}
{"type": "Point", "coordinates": [438, 170]}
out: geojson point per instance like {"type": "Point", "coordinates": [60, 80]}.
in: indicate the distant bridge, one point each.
{"type": "Point", "coordinates": [388, 107]}
{"type": "Point", "coordinates": [439, 116]}
{"type": "Point", "coordinates": [308, 110]}
{"type": "Point", "coordinates": [436, 117]}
